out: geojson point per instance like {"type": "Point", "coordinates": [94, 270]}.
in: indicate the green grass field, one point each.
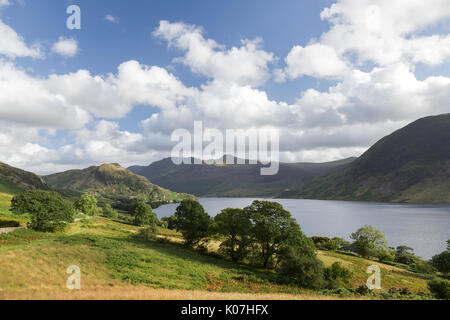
{"type": "Point", "coordinates": [116, 264]}
{"type": "Point", "coordinates": [6, 215]}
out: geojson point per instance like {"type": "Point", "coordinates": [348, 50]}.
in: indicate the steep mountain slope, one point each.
{"type": "Point", "coordinates": [14, 180]}
{"type": "Point", "coordinates": [111, 181]}
{"type": "Point", "coordinates": [410, 165]}
{"type": "Point", "coordinates": [234, 180]}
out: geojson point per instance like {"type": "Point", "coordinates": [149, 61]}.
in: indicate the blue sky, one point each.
{"type": "Point", "coordinates": [104, 45]}
{"type": "Point", "coordinates": [332, 82]}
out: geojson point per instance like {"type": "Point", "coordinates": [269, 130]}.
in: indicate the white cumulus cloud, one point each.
{"type": "Point", "coordinates": [66, 47]}
{"type": "Point", "coordinates": [246, 65]}
{"type": "Point", "coordinates": [315, 60]}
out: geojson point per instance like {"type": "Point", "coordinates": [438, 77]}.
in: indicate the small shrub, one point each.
{"type": "Point", "coordinates": [161, 224]}
{"type": "Point", "coordinates": [337, 276]}
{"type": "Point", "coordinates": [109, 212]}
{"type": "Point", "coordinates": [171, 222]}
{"type": "Point", "coordinates": [149, 233]}
{"type": "Point", "coordinates": [9, 224]}
{"type": "Point", "coordinates": [342, 292]}
{"type": "Point", "coordinates": [400, 291]}
{"type": "Point", "coordinates": [363, 290]}
{"type": "Point", "coordinates": [422, 266]}
{"type": "Point", "coordinates": [440, 288]}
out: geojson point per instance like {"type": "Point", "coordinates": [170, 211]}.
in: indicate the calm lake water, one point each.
{"type": "Point", "coordinates": [426, 228]}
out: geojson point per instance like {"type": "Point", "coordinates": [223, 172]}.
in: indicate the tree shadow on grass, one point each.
{"type": "Point", "coordinates": [131, 263]}
{"type": "Point", "coordinates": [177, 250]}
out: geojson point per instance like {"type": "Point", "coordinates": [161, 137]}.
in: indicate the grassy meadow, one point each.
{"type": "Point", "coordinates": [116, 264]}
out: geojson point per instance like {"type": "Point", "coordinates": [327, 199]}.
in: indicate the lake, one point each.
{"type": "Point", "coordinates": [424, 227]}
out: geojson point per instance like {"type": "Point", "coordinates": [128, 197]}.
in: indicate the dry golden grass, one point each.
{"type": "Point", "coordinates": [391, 276]}
{"type": "Point", "coordinates": [44, 266]}
{"type": "Point", "coordinates": [145, 293]}
{"type": "Point", "coordinates": [329, 260]}
{"type": "Point", "coordinates": [37, 270]}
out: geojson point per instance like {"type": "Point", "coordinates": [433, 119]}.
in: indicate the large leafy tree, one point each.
{"type": "Point", "coordinates": [369, 242]}
{"type": "Point", "coordinates": [236, 226]}
{"type": "Point", "coordinates": [193, 222]}
{"type": "Point", "coordinates": [405, 254]}
{"type": "Point", "coordinates": [143, 214]}
{"type": "Point", "coordinates": [49, 211]}
{"type": "Point", "coordinates": [273, 229]}
{"type": "Point", "coordinates": [442, 261]}
{"type": "Point", "coordinates": [298, 264]}
{"type": "Point", "coordinates": [87, 204]}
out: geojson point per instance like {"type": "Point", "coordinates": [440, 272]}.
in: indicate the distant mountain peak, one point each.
{"type": "Point", "coordinates": [111, 180]}
{"type": "Point", "coordinates": [410, 165]}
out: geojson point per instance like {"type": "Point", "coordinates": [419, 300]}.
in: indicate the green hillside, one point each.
{"type": "Point", "coordinates": [410, 165]}
{"type": "Point", "coordinates": [115, 264]}
{"type": "Point", "coordinates": [6, 187]}
{"type": "Point", "coordinates": [237, 180]}
{"type": "Point", "coordinates": [110, 181]}
{"type": "Point", "coordinates": [14, 180]}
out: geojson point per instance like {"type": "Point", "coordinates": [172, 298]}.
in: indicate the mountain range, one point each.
{"type": "Point", "coordinates": [409, 165]}
{"type": "Point", "coordinates": [235, 180]}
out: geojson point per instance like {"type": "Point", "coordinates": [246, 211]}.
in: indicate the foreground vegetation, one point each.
{"type": "Point", "coordinates": [113, 259]}
{"type": "Point", "coordinates": [117, 263]}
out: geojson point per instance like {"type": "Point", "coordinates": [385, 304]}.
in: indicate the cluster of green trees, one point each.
{"type": "Point", "coordinates": [331, 244]}
{"type": "Point", "coordinates": [370, 243]}
{"type": "Point", "coordinates": [262, 234]}
{"type": "Point", "coordinates": [49, 211]}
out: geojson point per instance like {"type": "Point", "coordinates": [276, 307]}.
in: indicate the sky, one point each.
{"type": "Point", "coordinates": [333, 76]}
